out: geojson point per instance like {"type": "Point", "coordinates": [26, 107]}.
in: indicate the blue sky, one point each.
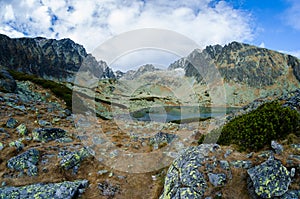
{"type": "Point", "coordinates": [276, 23]}
{"type": "Point", "coordinates": [273, 24]}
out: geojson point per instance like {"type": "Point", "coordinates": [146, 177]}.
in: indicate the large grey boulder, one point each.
{"type": "Point", "coordinates": [270, 179]}
{"type": "Point", "coordinates": [63, 190]}
{"type": "Point", "coordinates": [25, 161]}
{"type": "Point", "coordinates": [184, 180]}
{"type": "Point", "coordinates": [48, 134]}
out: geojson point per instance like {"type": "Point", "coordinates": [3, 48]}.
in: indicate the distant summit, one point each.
{"type": "Point", "coordinates": [132, 74]}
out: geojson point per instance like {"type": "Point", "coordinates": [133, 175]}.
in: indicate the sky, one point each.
{"type": "Point", "coordinates": [272, 24]}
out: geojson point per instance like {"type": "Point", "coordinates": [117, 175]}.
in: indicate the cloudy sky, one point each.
{"type": "Point", "coordinates": [272, 24]}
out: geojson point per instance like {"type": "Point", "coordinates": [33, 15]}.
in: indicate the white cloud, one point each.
{"type": "Point", "coordinates": [9, 13]}
{"type": "Point", "coordinates": [294, 53]}
{"type": "Point", "coordinates": [292, 14]}
{"type": "Point", "coordinates": [91, 22]}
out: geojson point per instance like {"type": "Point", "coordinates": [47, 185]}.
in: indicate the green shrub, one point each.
{"type": "Point", "coordinates": [258, 128]}
{"type": "Point", "coordinates": [59, 90]}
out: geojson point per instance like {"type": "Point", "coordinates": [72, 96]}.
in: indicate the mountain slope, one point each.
{"type": "Point", "coordinates": [243, 63]}
{"type": "Point", "coordinates": [247, 72]}
{"type": "Point", "coordinates": [48, 58]}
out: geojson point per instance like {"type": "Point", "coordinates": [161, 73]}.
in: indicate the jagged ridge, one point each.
{"type": "Point", "coordinates": [241, 63]}
{"type": "Point", "coordinates": [48, 58]}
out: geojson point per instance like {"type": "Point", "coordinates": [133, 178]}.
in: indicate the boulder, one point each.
{"type": "Point", "coordinates": [63, 190]}
{"type": "Point", "coordinates": [278, 148]}
{"type": "Point", "coordinates": [184, 180]}
{"type": "Point", "coordinates": [217, 179]}
{"type": "Point", "coordinates": [18, 144]}
{"type": "Point", "coordinates": [73, 159]}
{"type": "Point", "coordinates": [11, 123]}
{"type": "Point", "coordinates": [161, 139]}
{"type": "Point", "coordinates": [22, 130]}
{"type": "Point", "coordinates": [48, 134]}
{"type": "Point", "coordinates": [108, 189]}
{"type": "Point", "coordinates": [27, 160]}
{"type": "Point", "coordinates": [270, 179]}
{"type": "Point", "coordinates": [243, 164]}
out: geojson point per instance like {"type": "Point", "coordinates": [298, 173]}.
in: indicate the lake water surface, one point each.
{"type": "Point", "coordinates": [179, 113]}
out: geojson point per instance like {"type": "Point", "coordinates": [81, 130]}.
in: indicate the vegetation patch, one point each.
{"type": "Point", "coordinates": [258, 128]}
{"type": "Point", "coordinates": [59, 90]}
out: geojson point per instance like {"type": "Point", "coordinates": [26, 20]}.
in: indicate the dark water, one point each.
{"type": "Point", "coordinates": [179, 113]}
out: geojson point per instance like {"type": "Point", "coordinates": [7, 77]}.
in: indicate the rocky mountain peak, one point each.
{"type": "Point", "coordinates": [133, 74]}
{"type": "Point", "coordinates": [242, 63]}
{"type": "Point", "coordinates": [214, 50]}
{"type": "Point", "coordinates": [146, 68]}
{"type": "Point", "coordinates": [48, 58]}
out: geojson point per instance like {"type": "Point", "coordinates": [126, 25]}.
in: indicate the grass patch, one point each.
{"type": "Point", "coordinates": [59, 90]}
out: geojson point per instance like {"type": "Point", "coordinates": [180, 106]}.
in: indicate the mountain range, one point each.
{"type": "Point", "coordinates": [246, 72]}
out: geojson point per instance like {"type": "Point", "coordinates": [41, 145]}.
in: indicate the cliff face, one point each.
{"type": "Point", "coordinates": [241, 63]}
{"type": "Point", "coordinates": [47, 58]}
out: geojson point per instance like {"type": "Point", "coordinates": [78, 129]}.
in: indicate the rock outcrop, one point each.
{"type": "Point", "coordinates": [7, 82]}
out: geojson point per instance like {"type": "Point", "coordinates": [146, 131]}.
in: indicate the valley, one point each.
{"type": "Point", "coordinates": [71, 127]}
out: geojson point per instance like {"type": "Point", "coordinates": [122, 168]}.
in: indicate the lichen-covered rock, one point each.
{"type": "Point", "coordinates": [108, 189]}
{"type": "Point", "coordinates": [294, 194]}
{"type": "Point", "coordinates": [64, 140]}
{"type": "Point", "coordinates": [278, 148]}
{"type": "Point", "coordinates": [161, 138]}
{"type": "Point", "coordinates": [224, 164]}
{"type": "Point", "coordinates": [292, 101]}
{"type": "Point", "coordinates": [217, 179]}
{"type": "Point", "coordinates": [243, 164]}
{"type": "Point", "coordinates": [1, 146]}
{"type": "Point", "coordinates": [296, 146]}
{"type": "Point", "coordinates": [184, 180]}
{"type": "Point", "coordinates": [22, 130]}
{"type": "Point", "coordinates": [48, 134]}
{"type": "Point", "coordinates": [18, 144]}
{"type": "Point", "coordinates": [27, 160]}
{"type": "Point", "coordinates": [63, 190]}
{"type": "Point", "coordinates": [270, 179]}
{"type": "Point", "coordinates": [11, 123]}
{"type": "Point", "coordinates": [73, 159]}
{"type": "Point", "coordinates": [44, 123]}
